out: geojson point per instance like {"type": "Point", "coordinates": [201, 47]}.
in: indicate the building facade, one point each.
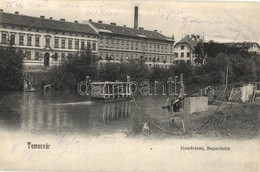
{"type": "Point", "coordinates": [45, 42]}
{"type": "Point", "coordinates": [184, 49]}
{"type": "Point", "coordinates": [121, 43]}
{"type": "Point", "coordinates": [254, 48]}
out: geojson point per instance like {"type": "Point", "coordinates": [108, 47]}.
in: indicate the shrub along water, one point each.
{"type": "Point", "coordinates": [11, 69]}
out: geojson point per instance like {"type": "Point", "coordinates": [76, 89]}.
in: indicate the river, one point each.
{"type": "Point", "coordinates": [57, 112]}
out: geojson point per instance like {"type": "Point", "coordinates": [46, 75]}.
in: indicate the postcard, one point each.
{"type": "Point", "coordinates": [129, 85]}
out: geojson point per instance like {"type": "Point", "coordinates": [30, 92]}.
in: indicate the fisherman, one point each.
{"type": "Point", "coordinates": [175, 105]}
{"type": "Point", "coordinates": [209, 89]}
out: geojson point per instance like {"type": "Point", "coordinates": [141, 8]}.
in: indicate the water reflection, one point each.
{"type": "Point", "coordinates": [70, 112]}
{"type": "Point", "coordinates": [41, 114]}
{"type": "Point", "coordinates": [116, 111]}
{"type": "Point", "coordinates": [38, 113]}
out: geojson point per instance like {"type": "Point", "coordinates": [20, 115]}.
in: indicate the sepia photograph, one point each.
{"type": "Point", "coordinates": [129, 85]}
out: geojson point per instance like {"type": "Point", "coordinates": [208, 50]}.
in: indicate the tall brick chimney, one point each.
{"type": "Point", "coordinates": [136, 17]}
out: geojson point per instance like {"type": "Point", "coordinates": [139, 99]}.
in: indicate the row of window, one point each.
{"type": "Point", "coordinates": [135, 45]}
{"type": "Point", "coordinates": [118, 56]}
{"type": "Point", "coordinates": [21, 41]}
{"type": "Point", "coordinates": [28, 55]}
{"type": "Point", "coordinates": [179, 61]}
{"type": "Point", "coordinates": [21, 38]}
{"type": "Point", "coordinates": [182, 55]}
{"type": "Point", "coordinates": [147, 65]}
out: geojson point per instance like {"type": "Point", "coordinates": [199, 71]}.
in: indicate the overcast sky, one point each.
{"type": "Point", "coordinates": [219, 21]}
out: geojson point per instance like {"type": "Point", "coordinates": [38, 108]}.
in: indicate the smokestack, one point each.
{"type": "Point", "coordinates": [136, 17]}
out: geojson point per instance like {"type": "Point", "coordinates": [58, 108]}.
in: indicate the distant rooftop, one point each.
{"type": "Point", "coordinates": [192, 40]}
{"type": "Point", "coordinates": [127, 31]}
{"type": "Point", "coordinates": [242, 44]}
{"type": "Point", "coordinates": [44, 23]}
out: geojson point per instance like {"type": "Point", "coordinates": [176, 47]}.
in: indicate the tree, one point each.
{"type": "Point", "coordinates": [244, 69]}
{"type": "Point", "coordinates": [11, 69]}
{"type": "Point", "coordinates": [183, 68]}
{"type": "Point", "coordinates": [73, 70]}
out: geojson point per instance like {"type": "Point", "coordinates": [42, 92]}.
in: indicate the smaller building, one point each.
{"type": "Point", "coordinates": [184, 49]}
{"type": "Point", "coordinates": [251, 47]}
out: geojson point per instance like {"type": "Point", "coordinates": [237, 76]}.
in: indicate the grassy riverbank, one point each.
{"type": "Point", "coordinates": [238, 121]}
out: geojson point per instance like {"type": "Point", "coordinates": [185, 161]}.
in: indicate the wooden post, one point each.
{"type": "Point", "coordinates": [128, 85]}
{"type": "Point", "coordinates": [117, 92]}
{"type": "Point", "coordinates": [182, 89]}
{"type": "Point", "coordinates": [175, 85]}
{"type": "Point", "coordinates": [113, 91]}
{"type": "Point", "coordinates": [108, 90]}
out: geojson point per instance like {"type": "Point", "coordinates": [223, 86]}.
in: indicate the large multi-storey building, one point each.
{"type": "Point", "coordinates": [120, 43]}
{"type": "Point", "coordinates": [184, 49]}
{"type": "Point", "coordinates": [45, 42]}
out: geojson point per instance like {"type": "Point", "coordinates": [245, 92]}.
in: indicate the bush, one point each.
{"type": "Point", "coordinates": [73, 70]}
{"type": "Point", "coordinates": [11, 69]}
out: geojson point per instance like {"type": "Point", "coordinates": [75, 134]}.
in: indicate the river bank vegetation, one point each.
{"type": "Point", "coordinates": [11, 67]}
{"type": "Point", "coordinates": [216, 57]}
{"type": "Point", "coordinates": [210, 68]}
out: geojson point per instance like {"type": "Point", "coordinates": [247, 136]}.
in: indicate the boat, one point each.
{"type": "Point", "coordinates": [104, 92]}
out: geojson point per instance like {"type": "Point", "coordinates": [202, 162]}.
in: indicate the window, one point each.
{"type": "Point", "coordinates": [37, 55]}
{"type": "Point", "coordinates": [29, 40]}
{"type": "Point", "coordinates": [37, 41]}
{"type": "Point", "coordinates": [47, 42]}
{"type": "Point", "coordinates": [70, 44]}
{"type": "Point", "coordinates": [88, 45]}
{"type": "Point", "coordinates": [12, 39]}
{"type": "Point", "coordinates": [76, 44]}
{"type": "Point", "coordinates": [82, 44]}
{"type": "Point", "coordinates": [55, 56]}
{"type": "Point", "coordinates": [62, 56]}
{"type": "Point", "coordinates": [21, 40]}
{"type": "Point", "coordinates": [182, 54]}
{"type": "Point", "coordinates": [176, 55]}
{"type": "Point", "coordinates": [28, 55]}
{"type": "Point", "coordinates": [188, 54]}
{"type": "Point", "coordinates": [3, 38]}
{"type": "Point", "coordinates": [182, 47]}
{"type": "Point", "coordinates": [56, 43]}
{"type": "Point", "coordinates": [94, 46]}
{"type": "Point", "coordinates": [63, 43]}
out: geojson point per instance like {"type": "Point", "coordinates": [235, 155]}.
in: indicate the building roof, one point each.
{"type": "Point", "coordinates": [127, 31]}
{"type": "Point", "coordinates": [42, 23]}
{"type": "Point", "coordinates": [242, 44]}
{"type": "Point", "coordinates": [191, 41]}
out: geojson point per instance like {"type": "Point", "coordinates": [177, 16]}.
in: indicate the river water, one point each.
{"type": "Point", "coordinates": [57, 112]}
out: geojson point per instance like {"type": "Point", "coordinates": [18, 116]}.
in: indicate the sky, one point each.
{"type": "Point", "coordinates": [218, 21]}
